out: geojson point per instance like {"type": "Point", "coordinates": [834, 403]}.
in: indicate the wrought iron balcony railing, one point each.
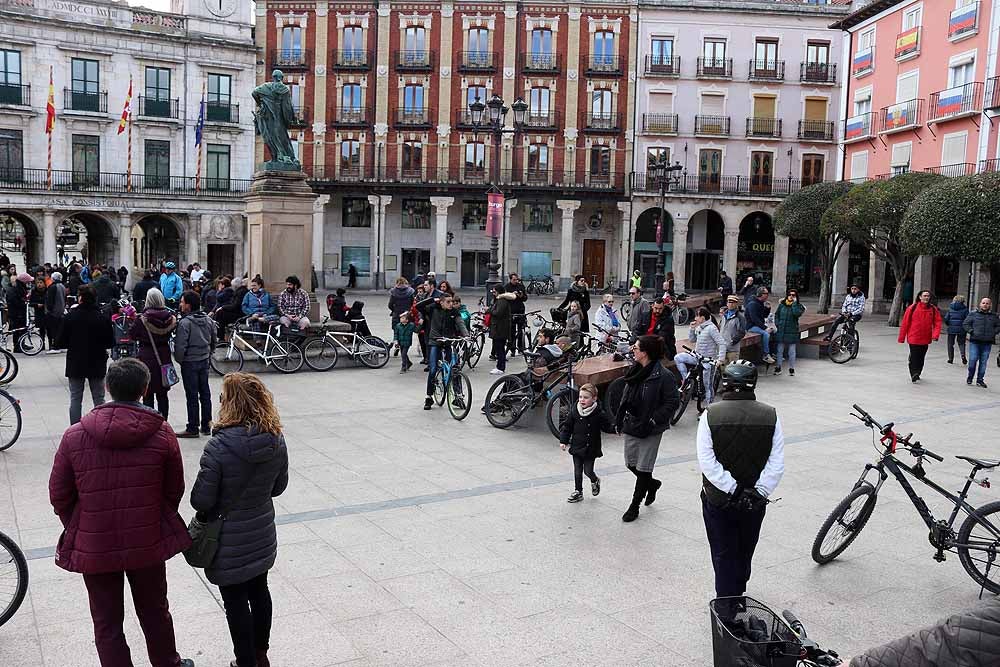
{"type": "Point", "coordinates": [766, 70]}
{"type": "Point", "coordinates": [659, 123]}
{"type": "Point", "coordinates": [352, 59]}
{"type": "Point", "coordinates": [957, 102]}
{"type": "Point", "coordinates": [157, 108]}
{"type": "Point", "coordinates": [12, 94]}
{"type": "Point", "coordinates": [604, 65]}
{"type": "Point", "coordinates": [712, 126]}
{"type": "Point", "coordinates": [901, 116]}
{"type": "Point", "coordinates": [818, 72]}
{"type": "Point", "coordinates": [120, 183]}
{"type": "Point", "coordinates": [715, 68]}
{"type": "Point", "coordinates": [291, 59]}
{"type": "Point", "coordinates": [764, 128]}
{"type": "Point", "coordinates": [477, 61]}
{"type": "Point", "coordinates": [663, 65]}
{"type": "Point", "coordinates": [761, 185]}
{"type": "Point", "coordinates": [816, 130]}
{"type": "Point", "coordinates": [222, 112]}
{"type": "Point", "coordinates": [78, 100]}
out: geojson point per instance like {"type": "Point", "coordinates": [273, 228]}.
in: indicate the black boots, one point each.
{"type": "Point", "coordinates": [654, 486]}
{"type": "Point", "coordinates": [632, 513]}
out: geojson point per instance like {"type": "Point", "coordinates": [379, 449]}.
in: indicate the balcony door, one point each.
{"type": "Point", "coordinates": [817, 61]}
{"type": "Point", "coordinates": [353, 45]}
{"type": "Point", "coordinates": [761, 171]}
{"type": "Point", "coordinates": [415, 46]}
{"type": "Point", "coordinates": [538, 163]}
{"type": "Point", "coordinates": [714, 54]}
{"type": "Point", "coordinates": [479, 46]}
{"type": "Point", "coordinates": [86, 96]}
{"type": "Point", "coordinates": [812, 169]}
{"type": "Point", "coordinates": [815, 126]}
{"type": "Point", "coordinates": [766, 58]}
{"type": "Point", "coordinates": [413, 104]}
{"type": "Point", "coordinates": [764, 123]}
{"type": "Point", "coordinates": [709, 169]}
{"type": "Point", "coordinates": [86, 160]}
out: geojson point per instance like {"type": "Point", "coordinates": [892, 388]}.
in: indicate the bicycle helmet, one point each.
{"type": "Point", "coordinates": [741, 375]}
{"type": "Point", "coordinates": [170, 265]}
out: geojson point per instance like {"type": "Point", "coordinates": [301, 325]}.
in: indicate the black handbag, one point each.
{"type": "Point", "coordinates": [205, 534]}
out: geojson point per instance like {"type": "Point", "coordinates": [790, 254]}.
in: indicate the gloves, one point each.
{"type": "Point", "coordinates": [750, 500]}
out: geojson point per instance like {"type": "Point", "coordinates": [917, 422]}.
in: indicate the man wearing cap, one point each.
{"type": "Point", "coordinates": [55, 308]}
{"type": "Point", "coordinates": [733, 327]}
{"type": "Point", "coordinates": [852, 309]}
{"type": "Point", "coordinates": [171, 284]}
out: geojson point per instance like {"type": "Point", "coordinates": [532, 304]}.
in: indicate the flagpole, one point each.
{"type": "Point", "coordinates": [48, 169]}
{"type": "Point", "coordinates": [198, 143]}
{"type": "Point", "coordinates": [128, 176]}
{"type": "Point", "coordinates": [49, 128]}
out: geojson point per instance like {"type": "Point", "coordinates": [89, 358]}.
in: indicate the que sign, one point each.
{"type": "Point", "coordinates": [494, 214]}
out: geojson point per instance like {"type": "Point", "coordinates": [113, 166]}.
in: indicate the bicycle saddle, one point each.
{"type": "Point", "coordinates": [980, 463]}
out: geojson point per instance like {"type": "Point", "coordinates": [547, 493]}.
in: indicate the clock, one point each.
{"type": "Point", "coordinates": [221, 8]}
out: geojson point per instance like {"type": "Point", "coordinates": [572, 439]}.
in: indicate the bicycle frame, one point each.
{"type": "Point", "coordinates": [354, 350]}
{"type": "Point", "coordinates": [270, 343]}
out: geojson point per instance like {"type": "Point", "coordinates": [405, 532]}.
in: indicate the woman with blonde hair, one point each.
{"type": "Point", "coordinates": [244, 466]}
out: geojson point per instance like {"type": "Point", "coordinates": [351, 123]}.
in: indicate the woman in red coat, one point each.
{"type": "Point", "coordinates": [921, 325]}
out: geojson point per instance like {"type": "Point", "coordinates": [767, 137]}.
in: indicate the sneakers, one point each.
{"type": "Point", "coordinates": [968, 381]}
{"type": "Point", "coordinates": [595, 487]}
{"type": "Point", "coordinates": [914, 377]}
{"type": "Point", "coordinates": [186, 662]}
{"type": "Point", "coordinates": [651, 494]}
{"type": "Point", "coordinates": [186, 434]}
{"type": "Point", "coordinates": [777, 370]}
{"type": "Point", "coordinates": [428, 403]}
{"type": "Point", "coordinates": [496, 371]}
{"type": "Point", "coordinates": [769, 358]}
{"type": "Point", "coordinates": [951, 361]}
{"type": "Point", "coordinates": [980, 383]}
{"type": "Point", "coordinates": [575, 497]}
{"type": "Point", "coordinates": [791, 371]}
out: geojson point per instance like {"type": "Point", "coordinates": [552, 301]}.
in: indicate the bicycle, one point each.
{"type": "Point", "coordinates": [10, 420]}
{"type": "Point", "coordinates": [680, 312]}
{"type": "Point", "coordinates": [845, 345]}
{"type": "Point", "coordinates": [29, 342]}
{"type": "Point", "coordinates": [450, 383]}
{"type": "Point", "coordinates": [477, 341]}
{"type": "Point", "coordinates": [849, 517]}
{"type": "Point", "coordinates": [514, 394]}
{"type": "Point", "coordinates": [283, 354]}
{"type": "Point", "coordinates": [612, 286]}
{"type": "Point", "coordinates": [322, 353]}
{"type": "Point", "coordinates": [693, 386]}
{"type": "Point", "coordinates": [13, 578]}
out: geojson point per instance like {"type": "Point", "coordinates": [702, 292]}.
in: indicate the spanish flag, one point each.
{"type": "Point", "coordinates": [127, 109]}
{"type": "Point", "coordinates": [50, 107]}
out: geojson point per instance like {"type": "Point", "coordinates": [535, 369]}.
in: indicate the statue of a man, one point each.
{"type": "Point", "coordinates": [273, 116]}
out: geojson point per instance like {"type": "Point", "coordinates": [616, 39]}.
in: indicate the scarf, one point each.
{"type": "Point", "coordinates": [614, 317]}
{"type": "Point", "coordinates": [637, 373]}
{"type": "Point", "coordinates": [586, 412]}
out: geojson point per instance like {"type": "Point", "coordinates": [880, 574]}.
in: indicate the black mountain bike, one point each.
{"type": "Point", "coordinates": [693, 387]}
{"type": "Point", "coordinates": [13, 578]}
{"type": "Point", "coordinates": [978, 539]}
{"type": "Point", "coordinates": [844, 346]}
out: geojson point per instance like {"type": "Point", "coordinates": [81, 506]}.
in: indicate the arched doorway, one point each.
{"type": "Point", "coordinates": [705, 242]}
{"type": "Point", "coordinates": [87, 236]}
{"type": "Point", "coordinates": [802, 272]}
{"type": "Point", "coordinates": [155, 239]}
{"type": "Point", "coordinates": [645, 248]}
{"type": "Point", "coordinates": [19, 238]}
{"type": "Point", "coordinates": [755, 256]}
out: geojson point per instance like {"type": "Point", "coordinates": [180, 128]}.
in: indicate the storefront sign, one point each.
{"type": "Point", "coordinates": [83, 202]}
{"type": "Point", "coordinates": [494, 214]}
{"type": "Point", "coordinates": [762, 247]}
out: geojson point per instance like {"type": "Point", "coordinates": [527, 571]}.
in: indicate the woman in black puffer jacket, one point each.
{"type": "Point", "coordinates": [243, 467]}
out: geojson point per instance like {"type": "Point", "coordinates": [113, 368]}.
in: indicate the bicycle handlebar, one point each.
{"type": "Point", "coordinates": [915, 448]}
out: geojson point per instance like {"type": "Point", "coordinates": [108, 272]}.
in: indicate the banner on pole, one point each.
{"type": "Point", "coordinates": [494, 214]}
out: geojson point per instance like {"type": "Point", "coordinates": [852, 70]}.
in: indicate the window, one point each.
{"type": "Point", "coordinates": [413, 155]}
{"type": "Point", "coordinates": [359, 256]}
{"type": "Point", "coordinates": [537, 264]}
{"type": "Point", "coordinates": [539, 102]}
{"type": "Point", "coordinates": [217, 167]}
{"type": "Point", "coordinates": [350, 98]}
{"type": "Point", "coordinates": [961, 71]}
{"type": "Point", "coordinates": [538, 161]}
{"type": "Point", "coordinates": [474, 215]}
{"type": "Point", "coordinates": [906, 86]}
{"type": "Point", "coordinates": [600, 104]}
{"type": "Point", "coordinates": [953, 153]}
{"type": "Point", "coordinates": [766, 55]}
{"type": "Point", "coordinates": [474, 93]}
{"type": "Point", "coordinates": [479, 41]}
{"type": "Point", "coordinates": [859, 165]}
{"type": "Point", "coordinates": [414, 44]}
{"type": "Point", "coordinates": [900, 163]}
{"type": "Point", "coordinates": [662, 51]}
{"type": "Point", "coordinates": [413, 99]}
{"type": "Point", "coordinates": [764, 106]}
{"type": "Point", "coordinates": [538, 218]}
{"type": "Point", "coordinates": [356, 212]}
{"type": "Point", "coordinates": [866, 41]}
{"type": "Point", "coordinates": [863, 102]}
{"type": "Point", "coordinates": [818, 53]}
{"type": "Point", "coordinates": [353, 43]}
{"type": "Point", "coordinates": [416, 214]}
{"type": "Point", "coordinates": [157, 83]}
{"type": "Point", "coordinates": [600, 162]}
{"type": "Point", "coordinates": [291, 44]}
{"type": "Point", "coordinates": [713, 105]}
{"type": "Point", "coordinates": [541, 41]}
{"type": "Point", "coordinates": [655, 156]}
{"type": "Point", "coordinates": [86, 96]}
{"type": "Point", "coordinates": [86, 159]}
{"type": "Point", "coordinates": [660, 102]}
{"type": "Point", "coordinates": [10, 77]}
{"type": "Point", "coordinates": [350, 157]}
{"type": "Point", "coordinates": [812, 169]}
{"type": "Point", "coordinates": [911, 18]}
{"type": "Point", "coordinates": [11, 155]}
{"type": "Point", "coordinates": [295, 94]}
{"type": "Point", "coordinates": [219, 90]}
{"type": "Point", "coordinates": [714, 52]}
{"type": "Point", "coordinates": [475, 158]}
{"type": "Point", "coordinates": [157, 163]}
{"type": "Point", "coordinates": [604, 49]}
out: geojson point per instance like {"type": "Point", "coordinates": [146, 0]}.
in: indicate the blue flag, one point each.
{"type": "Point", "coordinates": [201, 121]}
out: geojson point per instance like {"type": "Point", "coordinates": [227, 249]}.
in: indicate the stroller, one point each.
{"type": "Point", "coordinates": [123, 316]}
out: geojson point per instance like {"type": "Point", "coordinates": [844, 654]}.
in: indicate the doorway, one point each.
{"type": "Point", "coordinates": [474, 267]}
{"type": "Point", "coordinates": [761, 163]}
{"type": "Point", "coordinates": [709, 170]}
{"type": "Point", "coordinates": [812, 169]}
{"type": "Point", "coordinates": [416, 262]}
{"type": "Point", "coordinates": [221, 259]}
{"type": "Point", "coordinates": [593, 262]}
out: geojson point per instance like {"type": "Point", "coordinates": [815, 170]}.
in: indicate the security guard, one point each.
{"type": "Point", "coordinates": [741, 452]}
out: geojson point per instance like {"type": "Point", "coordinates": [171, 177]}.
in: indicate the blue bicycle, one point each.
{"type": "Point", "coordinates": [450, 384]}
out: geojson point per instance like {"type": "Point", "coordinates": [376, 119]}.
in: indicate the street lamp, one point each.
{"type": "Point", "coordinates": [489, 118]}
{"type": "Point", "coordinates": [666, 175]}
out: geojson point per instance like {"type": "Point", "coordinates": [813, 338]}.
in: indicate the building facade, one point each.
{"type": "Point", "coordinates": [922, 94]}
{"type": "Point", "coordinates": [744, 96]}
{"type": "Point", "coordinates": [127, 198]}
{"type": "Point", "coordinates": [385, 133]}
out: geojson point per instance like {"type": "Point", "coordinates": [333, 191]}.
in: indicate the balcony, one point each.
{"type": "Point", "coordinates": [907, 44]}
{"type": "Point", "coordinates": [352, 59]}
{"type": "Point", "coordinates": [992, 98]}
{"type": "Point", "coordinates": [902, 116]}
{"type": "Point", "coordinates": [818, 73]}
{"type": "Point", "coordinates": [477, 61]}
{"type": "Point", "coordinates": [118, 183]}
{"type": "Point", "coordinates": [764, 128]}
{"type": "Point", "coordinates": [15, 95]}
{"type": "Point", "coordinates": [603, 65]}
{"type": "Point", "coordinates": [540, 62]}
{"type": "Point", "coordinates": [413, 117]}
{"type": "Point", "coordinates": [659, 123]}
{"type": "Point", "coordinates": [541, 120]}
{"type": "Point", "coordinates": [222, 112]}
{"type": "Point", "coordinates": [963, 22]}
{"type": "Point", "coordinates": [663, 66]}
{"type": "Point", "coordinates": [863, 62]}
{"type": "Point", "coordinates": [859, 128]}
{"type": "Point", "coordinates": [156, 108]}
{"type": "Point", "coordinates": [603, 121]}
{"type": "Point", "coordinates": [291, 59]}
{"type": "Point", "coordinates": [953, 170]}
{"type": "Point", "coordinates": [414, 61]}
{"type": "Point", "coordinates": [747, 186]}
{"type": "Point", "coordinates": [766, 70]}
{"type": "Point", "coordinates": [715, 68]}
{"type": "Point", "coordinates": [989, 166]}
{"type": "Point", "coordinates": [350, 117]}
{"type": "Point", "coordinates": [711, 126]}
{"type": "Point", "coordinates": [816, 130]}
{"type": "Point", "coordinates": [300, 117]}
{"type": "Point", "coordinates": [75, 100]}
{"type": "Point", "coordinates": [957, 102]}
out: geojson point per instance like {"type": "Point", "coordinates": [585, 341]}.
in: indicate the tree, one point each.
{"type": "Point", "coordinates": [959, 217]}
{"type": "Point", "coordinates": [799, 216]}
{"type": "Point", "coordinates": [871, 215]}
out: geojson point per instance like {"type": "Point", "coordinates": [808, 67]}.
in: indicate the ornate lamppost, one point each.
{"type": "Point", "coordinates": [666, 175]}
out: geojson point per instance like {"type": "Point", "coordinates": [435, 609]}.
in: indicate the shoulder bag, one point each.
{"type": "Point", "coordinates": [205, 534]}
{"type": "Point", "coordinates": [168, 373]}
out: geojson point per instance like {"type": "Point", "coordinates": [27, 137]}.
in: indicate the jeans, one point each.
{"type": "Point", "coordinates": [76, 395]}
{"type": "Point", "coordinates": [732, 538]}
{"type": "Point", "coordinates": [685, 359]}
{"type": "Point", "coordinates": [979, 355]}
{"type": "Point", "coordinates": [248, 613]}
{"type": "Point", "coordinates": [436, 352]}
{"type": "Point", "coordinates": [53, 325]}
{"type": "Point", "coordinates": [582, 466]}
{"type": "Point", "coordinates": [765, 339]}
{"type": "Point", "coordinates": [500, 352]}
{"type": "Point", "coordinates": [515, 344]}
{"type": "Point", "coordinates": [162, 400]}
{"type": "Point", "coordinates": [107, 608]}
{"type": "Point", "coordinates": [916, 361]}
{"type": "Point", "coordinates": [956, 338]}
{"type": "Point", "coordinates": [792, 352]}
{"type": "Point", "coordinates": [196, 391]}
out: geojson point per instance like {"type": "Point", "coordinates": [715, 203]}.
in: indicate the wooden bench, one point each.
{"type": "Point", "coordinates": [811, 326]}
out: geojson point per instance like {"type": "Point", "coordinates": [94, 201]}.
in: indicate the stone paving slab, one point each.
{"type": "Point", "coordinates": [407, 538]}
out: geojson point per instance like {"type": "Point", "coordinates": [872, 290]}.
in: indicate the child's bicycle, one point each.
{"type": "Point", "coordinates": [746, 633]}
{"type": "Point", "coordinates": [450, 383]}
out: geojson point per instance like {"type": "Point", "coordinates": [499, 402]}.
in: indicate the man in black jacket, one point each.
{"type": "Point", "coordinates": [196, 338]}
{"type": "Point", "coordinates": [515, 344]}
{"type": "Point", "coordinates": [982, 325]}
{"type": "Point", "coordinates": [741, 454]}
{"type": "Point", "coordinates": [140, 288]}
{"type": "Point", "coordinates": [443, 321]}
{"type": "Point", "coordinates": [86, 336]}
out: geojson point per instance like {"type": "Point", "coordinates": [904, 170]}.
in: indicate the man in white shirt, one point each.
{"type": "Point", "coordinates": [196, 273]}
{"type": "Point", "coordinates": [741, 452]}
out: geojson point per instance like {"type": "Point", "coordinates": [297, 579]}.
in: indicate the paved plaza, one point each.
{"type": "Point", "coordinates": [407, 538]}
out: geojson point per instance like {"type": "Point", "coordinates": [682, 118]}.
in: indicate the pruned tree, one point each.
{"type": "Point", "coordinates": [960, 218]}
{"type": "Point", "coordinates": [799, 216]}
{"type": "Point", "coordinates": [871, 215]}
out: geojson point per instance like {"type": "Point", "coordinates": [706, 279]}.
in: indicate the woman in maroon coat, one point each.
{"type": "Point", "coordinates": [154, 327]}
{"type": "Point", "coordinates": [920, 327]}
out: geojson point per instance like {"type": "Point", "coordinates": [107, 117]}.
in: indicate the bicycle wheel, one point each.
{"type": "Point", "coordinates": [625, 309]}
{"type": "Point", "coordinates": [687, 390]}
{"type": "Point", "coordinates": [459, 396]}
{"type": "Point", "coordinates": [507, 400]}
{"type": "Point", "coordinates": [373, 352]}
{"type": "Point", "coordinates": [844, 523]}
{"type": "Point", "coordinates": [843, 348]}
{"type": "Point", "coordinates": [10, 420]}
{"type": "Point", "coordinates": [985, 532]}
{"type": "Point", "coordinates": [475, 350]}
{"type": "Point", "coordinates": [10, 366]}
{"type": "Point", "coordinates": [559, 407]}
{"type": "Point", "coordinates": [320, 354]}
{"type": "Point", "coordinates": [857, 343]}
{"type": "Point", "coordinates": [226, 358]}
{"type": "Point", "coordinates": [292, 360]}
{"type": "Point", "coordinates": [13, 578]}
{"type": "Point", "coordinates": [439, 392]}
{"type": "Point", "coordinates": [681, 315]}
{"type": "Point", "coordinates": [30, 343]}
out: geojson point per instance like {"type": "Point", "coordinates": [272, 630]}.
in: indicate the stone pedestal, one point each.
{"type": "Point", "coordinates": [280, 212]}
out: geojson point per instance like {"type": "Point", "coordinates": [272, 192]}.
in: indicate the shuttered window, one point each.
{"type": "Point", "coordinates": [901, 158]}
{"type": "Point", "coordinates": [953, 149]}
{"type": "Point", "coordinates": [763, 106]}
{"type": "Point", "coordinates": [859, 165]}
{"type": "Point", "coordinates": [906, 87]}
{"type": "Point", "coordinates": [661, 102]}
{"type": "Point", "coordinates": [713, 105]}
{"type": "Point", "coordinates": [816, 109]}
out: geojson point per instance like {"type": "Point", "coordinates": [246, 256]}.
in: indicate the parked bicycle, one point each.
{"type": "Point", "coordinates": [322, 353]}
{"type": "Point", "coordinates": [13, 578]}
{"type": "Point", "coordinates": [612, 286]}
{"type": "Point", "coordinates": [10, 420]}
{"type": "Point", "coordinates": [693, 386]}
{"type": "Point", "coordinates": [29, 342]}
{"type": "Point", "coordinates": [514, 394]}
{"type": "Point", "coordinates": [844, 346]}
{"type": "Point", "coordinates": [266, 344]}
{"type": "Point", "coordinates": [540, 286]}
{"type": "Point", "coordinates": [9, 367]}
{"type": "Point", "coordinates": [450, 384]}
{"type": "Point", "coordinates": [978, 539]}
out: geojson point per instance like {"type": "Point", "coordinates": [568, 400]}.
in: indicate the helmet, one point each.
{"type": "Point", "coordinates": [170, 265]}
{"type": "Point", "coordinates": [741, 375]}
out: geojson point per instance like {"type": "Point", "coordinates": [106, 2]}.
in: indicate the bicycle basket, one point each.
{"type": "Point", "coordinates": [558, 315]}
{"type": "Point", "coordinates": [746, 633]}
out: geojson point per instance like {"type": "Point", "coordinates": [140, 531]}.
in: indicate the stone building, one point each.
{"type": "Point", "coordinates": [92, 49]}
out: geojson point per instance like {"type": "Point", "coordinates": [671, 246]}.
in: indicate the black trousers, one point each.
{"type": "Point", "coordinates": [500, 352]}
{"type": "Point", "coordinates": [248, 613]}
{"type": "Point", "coordinates": [53, 325]}
{"type": "Point", "coordinates": [732, 538]}
{"type": "Point", "coordinates": [197, 394]}
{"type": "Point", "coordinates": [515, 345]}
{"type": "Point", "coordinates": [582, 466]}
{"type": "Point", "coordinates": [917, 354]}
{"type": "Point", "coordinates": [956, 338]}
{"type": "Point", "coordinates": [162, 401]}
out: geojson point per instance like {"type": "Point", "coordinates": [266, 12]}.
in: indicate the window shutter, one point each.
{"type": "Point", "coordinates": [906, 88]}
{"type": "Point", "coordinates": [763, 107]}
{"type": "Point", "coordinates": [713, 105]}
{"type": "Point", "coordinates": [859, 165]}
{"type": "Point", "coordinates": [661, 102]}
{"type": "Point", "coordinates": [901, 155]}
{"type": "Point", "coordinates": [816, 110]}
{"type": "Point", "coordinates": [953, 150]}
